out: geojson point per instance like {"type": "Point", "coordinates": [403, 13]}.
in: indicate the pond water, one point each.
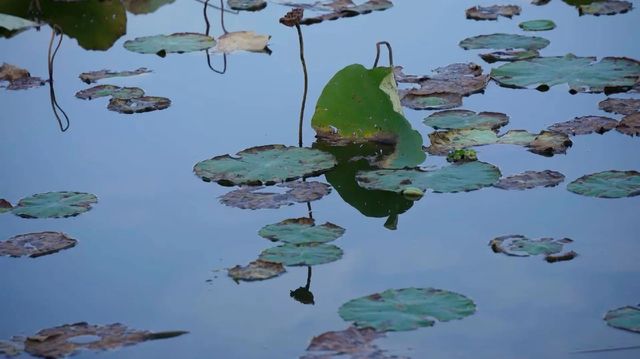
{"type": "Point", "coordinates": [153, 250]}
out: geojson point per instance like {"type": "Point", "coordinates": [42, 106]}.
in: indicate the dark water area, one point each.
{"type": "Point", "coordinates": [153, 250]}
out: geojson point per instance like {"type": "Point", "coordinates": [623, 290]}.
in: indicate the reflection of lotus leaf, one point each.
{"type": "Point", "coordinates": [346, 8]}
{"type": "Point", "coordinates": [13, 23]}
{"type": "Point", "coordinates": [164, 44]}
{"type": "Point", "coordinates": [36, 244]}
{"type": "Point", "coordinates": [537, 25]}
{"type": "Point", "coordinates": [458, 119]}
{"type": "Point", "coordinates": [406, 309]}
{"type": "Point", "coordinates": [256, 270]}
{"type": "Point", "coordinates": [355, 341]}
{"type": "Point", "coordinates": [301, 231]}
{"type": "Point", "coordinates": [509, 55]}
{"type": "Point", "coordinates": [626, 318]}
{"type": "Point", "coordinates": [607, 184]}
{"type": "Point", "coordinates": [54, 205]}
{"type": "Point", "coordinates": [302, 255]}
{"type": "Point", "coordinates": [504, 41]}
{"type": "Point", "coordinates": [139, 7]}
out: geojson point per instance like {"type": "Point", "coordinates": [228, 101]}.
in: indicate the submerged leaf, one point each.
{"type": "Point", "coordinates": [36, 244]}
{"type": "Point", "coordinates": [504, 41]}
{"type": "Point", "coordinates": [256, 270]}
{"type": "Point", "coordinates": [124, 93]}
{"type": "Point", "coordinates": [247, 5]}
{"type": "Point", "coordinates": [242, 41]}
{"type": "Point", "coordinates": [630, 125]}
{"type": "Point", "coordinates": [625, 318]}
{"type": "Point", "coordinates": [138, 104]}
{"type": "Point", "coordinates": [605, 7]}
{"type": "Point", "coordinates": [585, 125]}
{"type": "Point", "coordinates": [537, 25]}
{"type": "Point", "coordinates": [299, 192]}
{"type": "Point", "coordinates": [174, 43]}
{"type": "Point", "coordinates": [95, 76]}
{"type": "Point", "coordinates": [607, 184]}
{"type": "Point", "coordinates": [622, 106]}
{"type": "Point", "coordinates": [302, 255]}
{"type": "Point", "coordinates": [54, 205]}
{"type": "Point", "coordinates": [531, 179]}
{"type": "Point", "coordinates": [521, 246]}
{"type": "Point", "coordinates": [301, 231]}
{"type": "Point", "coordinates": [459, 119]}
{"type": "Point", "coordinates": [492, 12]}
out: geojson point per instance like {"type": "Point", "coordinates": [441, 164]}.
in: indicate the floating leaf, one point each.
{"type": "Point", "coordinates": [509, 55]}
{"type": "Point", "coordinates": [302, 255]}
{"type": "Point", "coordinates": [14, 23]}
{"type": "Point", "coordinates": [247, 5]}
{"type": "Point", "coordinates": [301, 231]}
{"type": "Point", "coordinates": [504, 41]}
{"type": "Point", "coordinates": [256, 270]}
{"type": "Point", "coordinates": [242, 41]}
{"type": "Point", "coordinates": [625, 318]}
{"type": "Point", "coordinates": [462, 156]}
{"type": "Point", "coordinates": [36, 244]}
{"type": "Point", "coordinates": [356, 342]}
{"type": "Point", "coordinates": [459, 177]}
{"type": "Point", "coordinates": [342, 8]}
{"type": "Point", "coordinates": [174, 43]}
{"type": "Point", "coordinates": [622, 106]}
{"type": "Point", "coordinates": [5, 206]}
{"type": "Point", "coordinates": [492, 12]}
{"type": "Point", "coordinates": [531, 179]}
{"type": "Point", "coordinates": [95, 76]}
{"type": "Point", "coordinates": [123, 93]}
{"type": "Point", "coordinates": [406, 309]}
{"type": "Point", "coordinates": [537, 25]}
{"type": "Point", "coordinates": [459, 119]}
{"type": "Point", "coordinates": [18, 78]}
{"type": "Point", "coordinates": [630, 125]}
{"type": "Point", "coordinates": [607, 184]}
{"type": "Point", "coordinates": [606, 7]}
{"type": "Point", "coordinates": [461, 78]}
{"type": "Point", "coordinates": [434, 101]}
{"type": "Point", "coordinates": [54, 205]}
{"type": "Point", "coordinates": [138, 104]}
{"type": "Point", "coordinates": [585, 125]}
{"type": "Point", "coordinates": [299, 192]}
{"type": "Point", "coordinates": [521, 246]}
{"type": "Point", "coordinates": [9, 349]}
{"type": "Point", "coordinates": [582, 74]}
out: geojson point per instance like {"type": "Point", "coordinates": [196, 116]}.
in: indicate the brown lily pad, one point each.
{"type": "Point", "coordinates": [18, 78]}
{"type": "Point", "coordinates": [622, 106]}
{"type": "Point", "coordinates": [356, 342]}
{"type": "Point", "coordinates": [139, 104]}
{"type": "Point", "coordinates": [256, 270]}
{"type": "Point", "coordinates": [530, 179]}
{"type": "Point", "coordinates": [549, 143]}
{"type": "Point", "coordinates": [123, 93]}
{"type": "Point", "coordinates": [492, 12]}
{"type": "Point", "coordinates": [9, 349]}
{"type": "Point", "coordinates": [585, 125]}
{"type": "Point", "coordinates": [463, 79]}
{"type": "Point", "coordinates": [606, 7]}
{"type": "Point", "coordinates": [36, 244]}
{"type": "Point", "coordinates": [630, 125]}
{"type": "Point", "coordinates": [344, 8]}
{"type": "Point", "coordinates": [5, 206]}
{"type": "Point", "coordinates": [95, 76]}
{"type": "Point", "coordinates": [434, 101]}
{"type": "Point", "coordinates": [298, 192]}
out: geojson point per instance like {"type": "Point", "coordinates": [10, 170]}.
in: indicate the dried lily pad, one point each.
{"type": "Point", "coordinates": [606, 7]}
{"type": "Point", "coordinates": [585, 125]}
{"type": "Point", "coordinates": [630, 125]}
{"type": "Point", "coordinates": [9, 349]}
{"type": "Point", "coordinates": [95, 76]}
{"type": "Point", "coordinates": [582, 74]}
{"type": "Point", "coordinates": [406, 309]}
{"type": "Point", "coordinates": [174, 43]}
{"type": "Point", "coordinates": [356, 342]}
{"type": "Point", "coordinates": [256, 270]}
{"type": "Point", "coordinates": [537, 25]}
{"type": "Point", "coordinates": [434, 101]}
{"type": "Point", "coordinates": [492, 12]}
{"type": "Point", "coordinates": [622, 106]}
{"type": "Point", "coordinates": [299, 192]}
{"type": "Point", "coordinates": [265, 165]}
{"type": "Point", "coordinates": [138, 104]}
{"type": "Point", "coordinates": [461, 78]}
{"type": "Point", "coordinates": [458, 177]}
{"type": "Point", "coordinates": [521, 246]}
{"type": "Point", "coordinates": [302, 255]}
{"type": "Point", "coordinates": [123, 93]}
{"type": "Point", "coordinates": [625, 318]}
{"type": "Point", "coordinates": [459, 119]}
{"type": "Point", "coordinates": [58, 342]}
{"type": "Point", "coordinates": [504, 41]}
{"type": "Point", "coordinates": [247, 5]}
{"type": "Point", "coordinates": [301, 231]}
{"type": "Point", "coordinates": [14, 23]}
{"type": "Point", "coordinates": [242, 41]}
{"type": "Point", "coordinates": [18, 78]}
{"type": "Point", "coordinates": [531, 179]}
{"type": "Point", "coordinates": [509, 55]}
{"type": "Point", "coordinates": [345, 8]}
{"type": "Point", "coordinates": [5, 206]}
{"type": "Point", "coordinates": [607, 184]}
{"type": "Point", "coordinates": [36, 244]}
{"type": "Point", "coordinates": [54, 205]}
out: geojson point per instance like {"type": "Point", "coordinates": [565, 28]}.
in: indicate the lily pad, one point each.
{"type": "Point", "coordinates": [299, 192]}
{"type": "Point", "coordinates": [606, 7]}
{"type": "Point", "coordinates": [9, 349]}
{"type": "Point", "coordinates": [303, 254]}
{"type": "Point", "coordinates": [459, 119]}
{"type": "Point", "coordinates": [54, 205]}
{"type": "Point", "coordinates": [537, 25]}
{"type": "Point", "coordinates": [504, 41]}
{"type": "Point", "coordinates": [5, 206]}
{"type": "Point", "coordinates": [247, 5]}
{"type": "Point", "coordinates": [458, 156]}
{"type": "Point", "coordinates": [123, 93]}
{"type": "Point", "coordinates": [18, 78]}
{"type": "Point", "coordinates": [607, 184]}
{"type": "Point", "coordinates": [460, 78]}
{"type": "Point", "coordinates": [509, 55]}
{"type": "Point", "coordinates": [622, 106]}
{"type": "Point", "coordinates": [459, 177]}
{"type": "Point", "coordinates": [406, 309]}
{"type": "Point", "coordinates": [356, 342]}
{"type": "Point", "coordinates": [630, 125]}
{"type": "Point", "coordinates": [14, 23]}
{"type": "Point", "coordinates": [531, 179]}
{"type": "Point", "coordinates": [174, 43]}
{"type": "Point", "coordinates": [301, 231]}
{"type": "Point", "coordinates": [138, 104]}
{"type": "Point", "coordinates": [36, 244]}
{"type": "Point", "coordinates": [521, 246]}
{"type": "Point", "coordinates": [585, 125]}
{"type": "Point", "coordinates": [492, 12]}
{"type": "Point", "coordinates": [625, 318]}
{"type": "Point", "coordinates": [242, 41]}
{"type": "Point", "coordinates": [267, 165]}
{"type": "Point", "coordinates": [95, 76]}
{"type": "Point", "coordinates": [434, 101]}
{"type": "Point", "coordinates": [256, 270]}
{"type": "Point", "coordinates": [346, 8]}
{"type": "Point", "coordinates": [582, 74]}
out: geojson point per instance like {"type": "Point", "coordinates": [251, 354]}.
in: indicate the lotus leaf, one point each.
{"type": "Point", "coordinates": [504, 41]}
{"type": "Point", "coordinates": [299, 192]}
{"type": "Point", "coordinates": [5, 206]}
{"type": "Point", "coordinates": [36, 244]}
{"type": "Point", "coordinates": [138, 104]}
{"type": "Point", "coordinates": [95, 76]}
{"type": "Point", "coordinates": [9, 349]}
{"type": "Point", "coordinates": [509, 55]}
{"type": "Point", "coordinates": [301, 231]}
{"type": "Point", "coordinates": [537, 25]}
{"type": "Point", "coordinates": [123, 93]}
{"type": "Point", "coordinates": [492, 12]}
{"type": "Point", "coordinates": [342, 8]}
{"type": "Point", "coordinates": [626, 318]}
{"type": "Point", "coordinates": [14, 23]}
{"type": "Point", "coordinates": [434, 101]}
{"type": "Point", "coordinates": [460, 78]}
{"type": "Point", "coordinates": [607, 184]}
{"type": "Point", "coordinates": [256, 270]}
{"type": "Point", "coordinates": [585, 125]}
{"type": "Point", "coordinates": [302, 255]}
{"type": "Point", "coordinates": [247, 5]}
{"type": "Point", "coordinates": [531, 179]}
{"type": "Point", "coordinates": [54, 205]}
{"type": "Point", "coordinates": [606, 7]}
{"type": "Point", "coordinates": [242, 41]}
{"type": "Point", "coordinates": [622, 106]}
{"type": "Point", "coordinates": [406, 309]}
{"type": "Point", "coordinates": [459, 119]}
{"type": "Point", "coordinates": [521, 246]}
{"type": "Point", "coordinates": [351, 341]}
{"type": "Point", "coordinates": [18, 78]}
{"type": "Point", "coordinates": [630, 125]}
{"type": "Point", "coordinates": [174, 43]}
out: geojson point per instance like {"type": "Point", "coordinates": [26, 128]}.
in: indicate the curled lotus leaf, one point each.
{"type": "Point", "coordinates": [123, 93]}
{"type": "Point", "coordinates": [15, 23]}
{"type": "Point", "coordinates": [582, 74]}
{"type": "Point", "coordinates": [625, 318]}
{"type": "Point", "coordinates": [434, 101]}
{"type": "Point", "coordinates": [301, 231]}
{"type": "Point", "coordinates": [509, 55]}
{"type": "Point", "coordinates": [95, 76]}
{"type": "Point", "coordinates": [406, 309]}
{"type": "Point", "coordinates": [302, 255]}
{"type": "Point", "coordinates": [54, 205]}
{"type": "Point", "coordinates": [607, 184]}
{"type": "Point", "coordinates": [458, 177]}
{"type": "Point", "coordinates": [267, 165]}
{"type": "Point", "coordinates": [344, 8]}
{"type": "Point", "coordinates": [622, 106]}
{"type": "Point", "coordinates": [242, 41]}
{"type": "Point", "coordinates": [36, 244]}
{"type": "Point", "coordinates": [174, 43]}
{"type": "Point", "coordinates": [606, 7]}
{"type": "Point", "coordinates": [630, 125]}
{"type": "Point", "coordinates": [459, 119]}
{"type": "Point", "coordinates": [462, 79]}
{"type": "Point", "coordinates": [357, 342]}
{"type": "Point", "coordinates": [585, 125]}
{"type": "Point", "coordinates": [256, 270]}
{"type": "Point", "coordinates": [247, 5]}
{"type": "Point", "coordinates": [492, 12]}
{"type": "Point", "coordinates": [531, 179]}
{"type": "Point", "coordinates": [299, 192]}
{"type": "Point", "coordinates": [537, 25]}
{"type": "Point", "coordinates": [521, 246]}
{"type": "Point", "coordinates": [5, 206]}
{"type": "Point", "coordinates": [138, 104]}
{"type": "Point", "coordinates": [502, 41]}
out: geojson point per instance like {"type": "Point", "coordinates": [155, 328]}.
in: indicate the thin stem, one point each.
{"type": "Point", "coordinates": [309, 210]}
{"type": "Point", "coordinates": [206, 18]}
{"type": "Point", "coordinates": [308, 278]}
{"type": "Point", "coordinates": [375, 63]}
{"type": "Point", "coordinates": [207, 28]}
{"type": "Point", "coordinates": [234, 12]}
{"type": "Point", "coordinates": [635, 347]}
{"type": "Point", "coordinates": [222, 17]}
{"type": "Point", "coordinates": [52, 94]}
{"type": "Point", "coordinates": [306, 84]}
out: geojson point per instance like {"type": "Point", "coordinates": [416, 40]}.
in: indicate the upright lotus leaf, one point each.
{"type": "Point", "coordinates": [36, 244]}
{"type": "Point", "coordinates": [622, 106]}
{"type": "Point", "coordinates": [434, 101]}
{"type": "Point", "coordinates": [123, 93]}
{"type": "Point", "coordinates": [630, 125]}
{"type": "Point", "coordinates": [625, 318]}
{"type": "Point", "coordinates": [521, 246]}
{"type": "Point", "coordinates": [531, 179]}
{"type": "Point", "coordinates": [585, 125]}
{"type": "Point", "coordinates": [54, 205]}
{"type": "Point", "coordinates": [459, 119]}
{"type": "Point", "coordinates": [129, 105]}
{"type": "Point", "coordinates": [462, 79]}
{"type": "Point", "coordinates": [139, 7]}
{"type": "Point", "coordinates": [582, 74]}
{"type": "Point", "coordinates": [458, 177]}
{"type": "Point", "coordinates": [301, 231]}
{"type": "Point", "coordinates": [606, 7]}
{"type": "Point", "coordinates": [14, 23]}
{"type": "Point", "coordinates": [242, 41]}
{"type": "Point", "coordinates": [267, 165]}
{"type": "Point", "coordinates": [175, 43]}
{"type": "Point", "coordinates": [302, 255]}
{"type": "Point", "coordinates": [509, 55]}
{"type": "Point", "coordinates": [360, 105]}
{"type": "Point", "coordinates": [537, 25]}
{"type": "Point", "coordinates": [607, 184]}
{"type": "Point", "coordinates": [356, 342]}
{"type": "Point", "coordinates": [343, 8]}
{"type": "Point", "coordinates": [256, 270]}
{"type": "Point", "coordinates": [299, 192]}
{"type": "Point", "coordinates": [406, 309]}
{"type": "Point", "coordinates": [504, 41]}
{"type": "Point", "coordinates": [492, 12]}
{"type": "Point", "coordinates": [5, 206]}
{"type": "Point", "coordinates": [95, 76]}
{"type": "Point", "coordinates": [247, 5]}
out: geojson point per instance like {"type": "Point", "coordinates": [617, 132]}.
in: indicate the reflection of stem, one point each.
{"type": "Point", "coordinates": [309, 210]}
{"type": "Point", "coordinates": [50, 57]}
{"type": "Point", "coordinates": [208, 27]}
{"type": "Point", "coordinates": [306, 84]}
{"type": "Point", "coordinates": [222, 17]}
{"type": "Point", "coordinates": [308, 278]}
{"type": "Point", "coordinates": [235, 12]}
{"type": "Point", "coordinates": [375, 63]}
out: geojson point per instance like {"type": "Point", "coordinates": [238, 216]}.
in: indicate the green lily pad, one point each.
{"type": "Point", "coordinates": [123, 93]}
{"type": "Point", "coordinates": [492, 12]}
{"type": "Point", "coordinates": [630, 125]}
{"type": "Point", "coordinates": [607, 7]}
{"type": "Point", "coordinates": [521, 246]}
{"type": "Point", "coordinates": [509, 55]}
{"type": "Point", "coordinates": [582, 74]}
{"type": "Point", "coordinates": [302, 255]}
{"type": "Point", "coordinates": [626, 318]}
{"type": "Point", "coordinates": [247, 5]}
{"type": "Point", "coordinates": [346, 8]}
{"type": "Point", "coordinates": [504, 41]}
{"type": "Point", "coordinates": [463, 79]}
{"type": "Point", "coordinates": [36, 244]}
{"type": "Point", "coordinates": [268, 165]}
{"type": "Point", "coordinates": [459, 177]}
{"type": "Point", "coordinates": [5, 206]}
{"type": "Point", "coordinates": [434, 101]}
{"type": "Point", "coordinates": [301, 231]}
{"type": "Point", "coordinates": [622, 106]}
{"type": "Point", "coordinates": [256, 270]}
{"type": "Point", "coordinates": [406, 309]}
{"type": "Point", "coordinates": [459, 119]}
{"type": "Point", "coordinates": [458, 156]}
{"type": "Point", "coordinates": [537, 25]}
{"type": "Point", "coordinates": [607, 184]}
{"type": "Point", "coordinates": [95, 76]}
{"type": "Point", "coordinates": [299, 192]}
{"type": "Point", "coordinates": [14, 23]}
{"type": "Point", "coordinates": [585, 125]}
{"type": "Point", "coordinates": [531, 179]}
{"type": "Point", "coordinates": [54, 205]}
{"type": "Point", "coordinates": [174, 43]}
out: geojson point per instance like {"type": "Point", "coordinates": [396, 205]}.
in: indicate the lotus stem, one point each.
{"type": "Point", "coordinates": [375, 63]}
{"type": "Point", "coordinates": [306, 84]}
{"type": "Point", "coordinates": [52, 94]}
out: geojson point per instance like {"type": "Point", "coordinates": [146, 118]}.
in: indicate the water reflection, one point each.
{"type": "Point", "coordinates": [303, 294]}
{"type": "Point", "coordinates": [206, 32]}
{"type": "Point", "coordinates": [55, 107]}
